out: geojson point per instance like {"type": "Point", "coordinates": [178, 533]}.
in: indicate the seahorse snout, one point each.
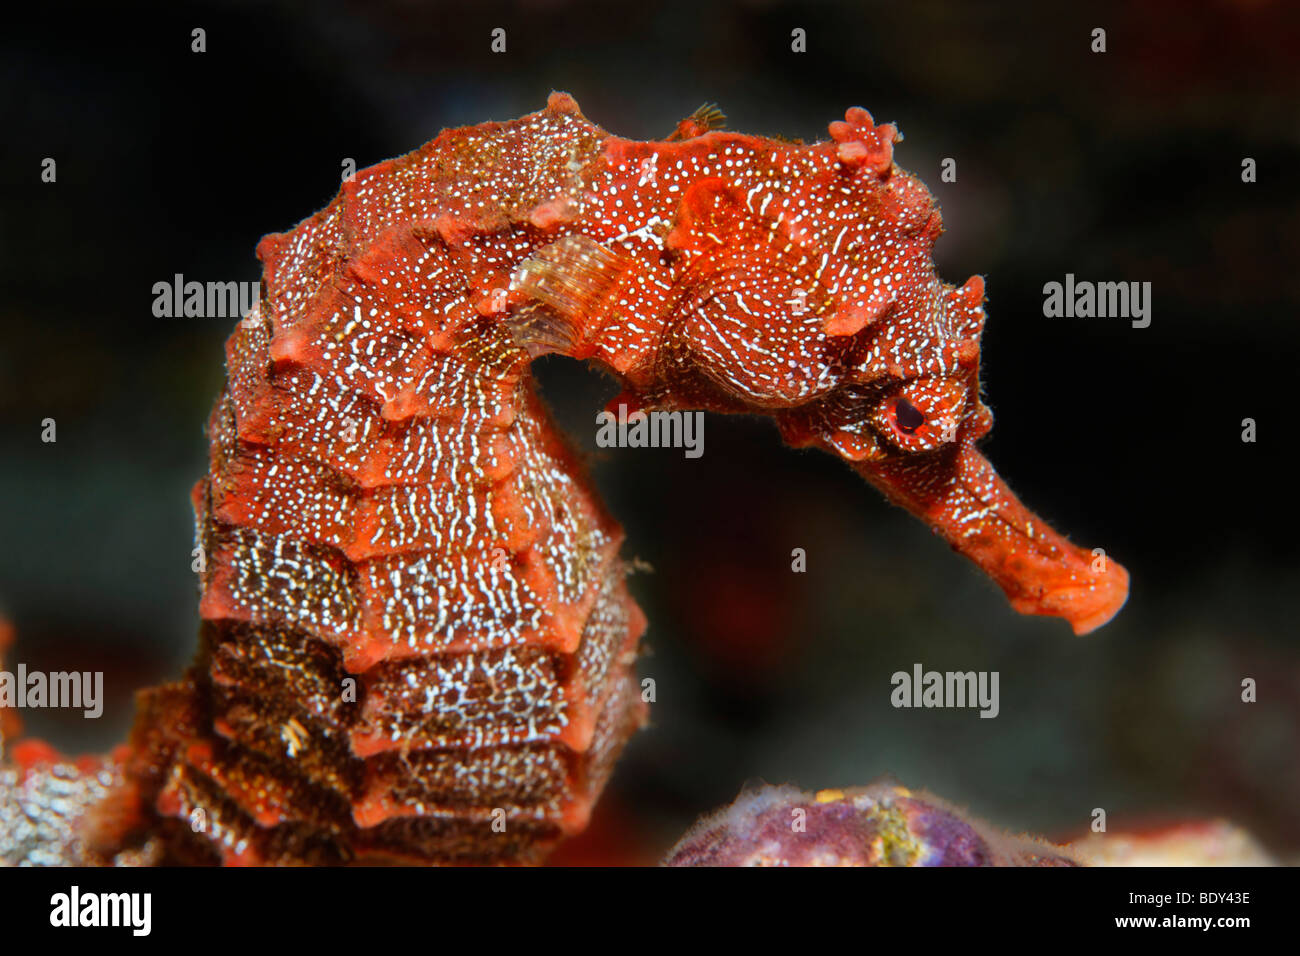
{"type": "Point", "coordinates": [958, 493]}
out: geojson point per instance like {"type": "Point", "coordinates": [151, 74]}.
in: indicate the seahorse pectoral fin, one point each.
{"type": "Point", "coordinates": [569, 283]}
{"type": "Point", "coordinates": [957, 492]}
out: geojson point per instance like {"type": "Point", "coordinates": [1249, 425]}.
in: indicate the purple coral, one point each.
{"type": "Point", "coordinates": [883, 824]}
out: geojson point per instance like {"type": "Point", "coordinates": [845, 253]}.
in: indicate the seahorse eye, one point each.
{"type": "Point", "coordinates": [908, 416]}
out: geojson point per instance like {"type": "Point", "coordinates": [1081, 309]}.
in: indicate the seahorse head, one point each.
{"type": "Point", "coordinates": [805, 289]}
{"type": "Point", "coordinates": [744, 274]}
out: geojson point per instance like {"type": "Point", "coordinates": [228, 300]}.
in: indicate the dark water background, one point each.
{"type": "Point", "coordinates": [1120, 166]}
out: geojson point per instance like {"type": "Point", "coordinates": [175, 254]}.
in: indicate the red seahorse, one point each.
{"type": "Point", "coordinates": [417, 641]}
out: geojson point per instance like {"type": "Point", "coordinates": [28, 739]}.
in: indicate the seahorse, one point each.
{"type": "Point", "coordinates": [417, 641]}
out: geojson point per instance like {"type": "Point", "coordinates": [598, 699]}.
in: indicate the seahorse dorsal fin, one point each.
{"type": "Point", "coordinates": [705, 119]}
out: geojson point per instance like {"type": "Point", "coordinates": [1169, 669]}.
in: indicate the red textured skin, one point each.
{"type": "Point", "coordinates": [389, 502]}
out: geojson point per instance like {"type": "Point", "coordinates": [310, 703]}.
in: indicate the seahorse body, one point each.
{"type": "Point", "coordinates": [417, 642]}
